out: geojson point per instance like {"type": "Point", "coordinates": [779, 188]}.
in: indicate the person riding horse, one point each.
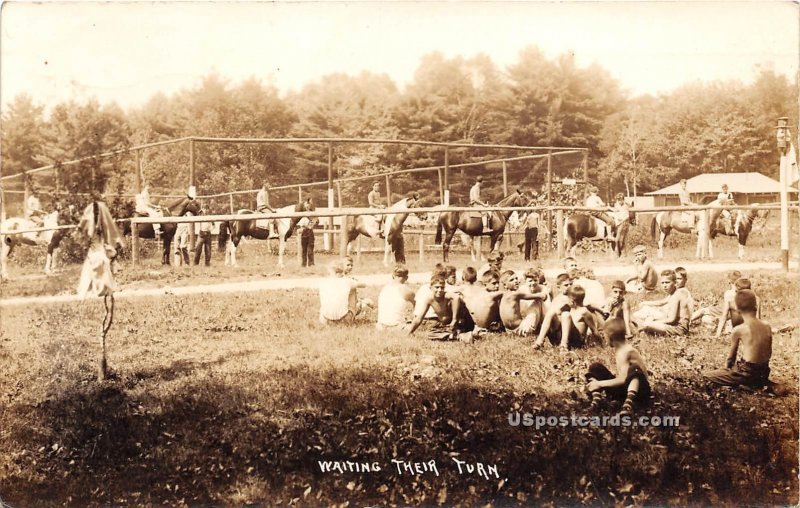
{"type": "Point", "coordinates": [475, 200]}
{"type": "Point", "coordinates": [374, 200]}
{"type": "Point", "coordinates": [594, 201]}
{"type": "Point", "coordinates": [33, 209]}
{"type": "Point", "coordinates": [726, 197]}
{"type": "Point", "coordinates": [685, 199]}
{"type": "Point", "coordinates": [262, 204]}
{"type": "Point", "coordinates": [145, 208]}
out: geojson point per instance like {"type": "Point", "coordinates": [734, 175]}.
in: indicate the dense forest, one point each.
{"type": "Point", "coordinates": [635, 144]}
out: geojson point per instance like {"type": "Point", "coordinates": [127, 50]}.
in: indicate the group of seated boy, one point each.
{"type": "Point", "coordinates": [569, 315]}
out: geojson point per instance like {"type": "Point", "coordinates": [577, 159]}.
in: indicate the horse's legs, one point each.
{"type": "Point", "coordinates": [387, 249]}
{"type": "Point", "coordinates": [448, 237]}
{"type": "Point", "coordinates": [5, 250]}
{"type": "Point", "coordinates": [661, 237]}
{"type": "Point", "coordinates": [475, 248]}
{"type": "Point", "coordinates": [281, 248]}
{"type": "Point", "coordinates": [741, 251]}
{"type": "Point", "coordinates": [710, 248]}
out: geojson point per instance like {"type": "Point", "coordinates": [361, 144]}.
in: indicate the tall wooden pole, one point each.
{"type": "Point", "coordinates": [441, 186]}
{"type": "Point", "coordinates": [585, 167]}
{"type": "Point", "coordinates": [326, 240]}
{"type": "Point", "coordinates": [388, 191]}
{"type": "Point", "coordinates": [446, 176]}
{"type": "Point", "coordinates": [138, 171]}
{"type": "Point", "coordinates": [549, 223]}
{"type": "Point", "coordinates": [505, 179]}
{"type": "Point", "coordinates": [191, 184]}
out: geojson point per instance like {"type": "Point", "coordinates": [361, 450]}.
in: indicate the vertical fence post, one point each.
{"type": "Point", "coordinates": [135, 242]}
{"type": "Point", "coordinates": [549, 200]}
{"type": "Point", "coordinates": [706, 232]}
{"type": "Point", "coordinates": [327, 240]}
{"type": "Point", "coordinates": [585, 167]}
{"type": "Point", "coordinates": [505, 179]}
{"type": "Point", "coordinates": [421, 241]}
{"type": "Point", "coordinates": [560, 232]}
{"type": "Point", "coordinates": [191, 184]}
{"type": "Point", "coordinates": [138, 171]}
{"type": "Point", "coordinates": [441, 187]}
{"type": "Point", "coordinates": [300, 248]}
{"type": "Point", "coordinates": [230, 198]}
{"type": "Point", "coordinates": [299, 194]}
{"type": "Point", "coordinates": [343, 236]}
{"type": "Point", "coordinates": [388, 191]}
{"type": "Point", "coordinates": [339, 193]}
{"type": "Point", "coordinates": [446, 176]}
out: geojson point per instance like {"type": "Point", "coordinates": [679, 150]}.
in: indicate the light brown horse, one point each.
{"type": "Point", "coordinates": [392, 230]}
{"type": "Point", "coordinates": [690, 221]}
{"type": "Point", "coordinates": [470, 223]}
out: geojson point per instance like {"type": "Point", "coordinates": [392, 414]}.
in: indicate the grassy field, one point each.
{"type": "Point", "coordinates": [233, 400]}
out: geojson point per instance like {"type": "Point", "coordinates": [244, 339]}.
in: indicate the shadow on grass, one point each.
{"type": "Point", "coordinates": [188, 433]}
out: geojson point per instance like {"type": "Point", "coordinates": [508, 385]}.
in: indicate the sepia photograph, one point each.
{"type": "Point", "coordinates": [399, 253]}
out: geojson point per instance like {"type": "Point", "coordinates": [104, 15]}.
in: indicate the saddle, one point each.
{"type": "Point", "coordinates": [264, 223]}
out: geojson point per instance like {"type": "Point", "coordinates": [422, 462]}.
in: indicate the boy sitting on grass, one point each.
{"type": "Point", "coordinates": [567, 321]}
{"type": "Point", "coordinates": [681, 279]}
{"type": "Point", "coordinates": [617, 307]}
{"type": "Point", "coordinates": [712, 313]}
{"type": "Point", "coordinates": [755, 337]}
{"type": "Point", "coordinates": [394, 300]}
{"type": "Point", "coordinates": [338, 301]}
{"type": "Point", "coordinates": [675, 321]}
{"type": "Point", "coordinates": [630, 384]}
{"type": "Point", "coordinates": [483, 302]}
{"type": "Point", "coordinates": [646, 278]}
{"type": "Point", "coordinates": [510, 312]}
{"type": "Point", "coordinates": [729, 309]}
{"type": "Point", "coordinates": [451, 320]}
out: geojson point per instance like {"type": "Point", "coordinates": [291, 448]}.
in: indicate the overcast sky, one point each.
{"type": "Point", "coordinates": [128, 52]}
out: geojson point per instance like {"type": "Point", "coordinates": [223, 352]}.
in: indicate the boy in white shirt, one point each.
{"type": "Point", "coordinates": [395, 300]}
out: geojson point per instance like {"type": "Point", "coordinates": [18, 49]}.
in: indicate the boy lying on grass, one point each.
{"type": "Point", "coordinates": [452, 322]}
{"type": "Point", "coordinates": [338, 300]}
{"type": "Point", "coordinates": [510, 312]}
{"type": "Point", "coordinates": [755, 338]}
{"type": "Point", "coordinates": [630, 384]}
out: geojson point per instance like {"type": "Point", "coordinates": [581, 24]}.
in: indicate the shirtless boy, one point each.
{"type": "Point", "coordinates": [617, 307]}
{"type": "Point", "coordinates": [630, 384]}
{"type": "Point", "coordinates": [675, 321]}
{"type": "Point", "coordinates": [646, 277]}
{"type": "Point", "coordinates": [483, 302]}
{"type": "Point", "coordinates": [755, 338]}
{"type": "Point", "coordinates": [510, 312]}
{"type": "Point", "coordinates": [446, 306]}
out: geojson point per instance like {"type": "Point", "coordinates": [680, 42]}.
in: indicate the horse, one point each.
{"type": "Point", "coordinates": [238, 229]}
{"type": "Point", "coordinates": [177, 209]}
{"type": "Point", "coordinates": [369, 226]}
{"type": "Point", "coordinates": [470, 223]}
{"type": "Point", "coordinates": [741, 228]}
{"type": "Point", "coordinates": [690, 221]}
{"type": "Point", "coordinates": [582, 225]}
{"type": "Point", "coordinates": [51, 238]}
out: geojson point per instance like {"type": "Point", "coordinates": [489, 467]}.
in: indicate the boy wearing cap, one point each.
{"type": "Point", "coordinates": [511, 314]}
{"type": "Point", "coordinates": [394, 300]}
{"type": "Point", "coordinates": [646, 277]}
{"type": "Point", "coordinates": [755, 338]}
{"type": "Point", "coordinates": [475, 200]}
{"type": "Point", "coordinates": [631, 383]}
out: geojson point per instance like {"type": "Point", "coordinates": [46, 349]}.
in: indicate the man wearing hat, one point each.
{"type": "Point", "coordinates": [532, 223]}
{"type": "Point", "coordinates": [262, 203]}
{"type": "Point", "coordinates": [475, 200]}
{"type": "Point", "coordinates": [594, 201]}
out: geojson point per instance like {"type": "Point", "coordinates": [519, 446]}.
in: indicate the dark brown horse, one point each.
{"type": "Point", "coordinates": [470, 223]}
{"type": "Point", "coordinates": [581, 226]}
{"type": "Point", "coordinates": [369, 226]}
{"type": "Point", "coordinates": [177, 209]}
{"type": "Point", "coordinates": [740, 227]}
{"type": "Point", "coordinates": [236, 230]}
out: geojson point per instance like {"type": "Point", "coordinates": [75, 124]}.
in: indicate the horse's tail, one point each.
{"type": "Point", "coordinates": [438, 239]}
{"type": "Point", "coordinates": [224, 234]}
{"type": "Point", "coordinates": [653, 224]}
{"type": "Point", "coordinates": [570, 230]}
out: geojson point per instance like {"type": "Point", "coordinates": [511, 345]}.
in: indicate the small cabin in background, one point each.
{"type": "Point", "coordinates": [747, 188]}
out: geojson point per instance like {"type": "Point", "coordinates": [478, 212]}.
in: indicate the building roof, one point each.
{"type": "Point", "coordinates": [743, 183]}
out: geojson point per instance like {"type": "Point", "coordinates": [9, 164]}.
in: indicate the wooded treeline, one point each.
{"type": "Point", "coordinates": [645, 141]}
